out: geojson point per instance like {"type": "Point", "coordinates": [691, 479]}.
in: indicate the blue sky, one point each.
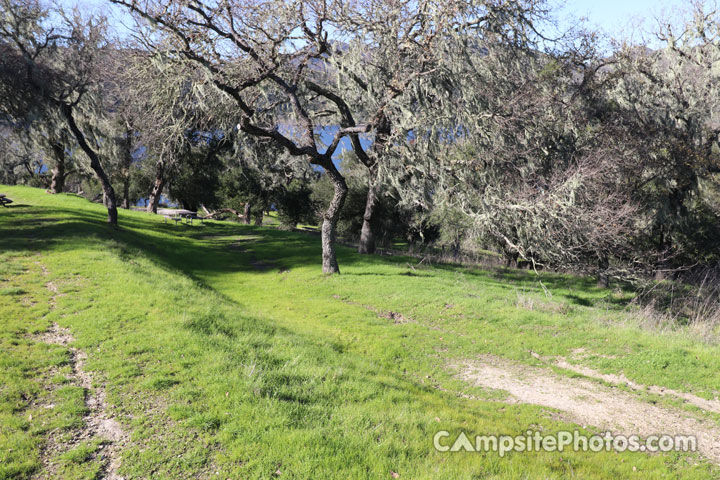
{"type": "Point", "coordinates": [616, 16]}
{"type": "Point", "coordinates": [612, 16]}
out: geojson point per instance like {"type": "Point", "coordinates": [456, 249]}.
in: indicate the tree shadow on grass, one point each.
{"type": "Point", "coordinates": [207, 249]}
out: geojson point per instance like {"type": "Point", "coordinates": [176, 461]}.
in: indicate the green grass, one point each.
{"type": "Point", "coordinates": [222, 348]}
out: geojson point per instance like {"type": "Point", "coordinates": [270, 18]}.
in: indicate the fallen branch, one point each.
{"type": "Point", "coordinates": [216, 213]}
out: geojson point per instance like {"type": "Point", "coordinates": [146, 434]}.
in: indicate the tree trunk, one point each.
{"type": "Point", "coordinates": [511, 259]}
{"type": "Point", "coordinates": [367, 237]}
{"type": "Point", "coordinates": [260, 212]}
{"type": "Point", "coordinates": [57, 184]}
{"type": "Point", "coordinates": [247, 211]}
{"type": "Point", "coordinates": [456, 247]}
{"type": "Point", "coordinates": [126, 193]}
{"type": "Point", "coordinates": [126, 166]}
{"type": "Point", "coordinates": [603, 277]}
{"type": "Point", "coordinates": [107, 188]}
{"type": "Point", "coordinates": [330, 219]}
{"type": "Point", "coordinates": [382, 133]}
{"type": "Point", "coordinates": [157, 188]}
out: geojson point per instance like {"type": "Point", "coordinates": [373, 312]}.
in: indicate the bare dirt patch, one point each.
{"type": "Point", "coordinates": [45, 271]}
{"type": "Point", "coordinates": [587, 402]}
{"type": "Point", "coordinates": [396, 317]}
{"type": "Point", "coordinates": [53, 289]}
{"type": "Point", "coordinates": [620, 379]}
{"type": "Point", "coordinates": [56, 336]}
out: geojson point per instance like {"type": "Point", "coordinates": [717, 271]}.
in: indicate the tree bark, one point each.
{"type": "Point", "coordinates": [603, 277]}
{"type": "Point", "coordinates": [264, 207]}
{"type": "Point", "coordinates": [367, 237]}
{"type": "Point", "coordinates": [157, 188]}
{"type": "Point", "coordinates": [57, 184]}
{"type": "Point", "coordinates": [511, 259]}
{"type": "Point", "coordinates": [223, 210]}
{"type": "Point", "coordinates": [107, 188]}
{"type": "Point", "coordinates": [247, 211]}
{"type": "Point", "coordinates": [126, 193]}
{"type": "Point", "coordinates": [382, 133]}
{"type": "Point", "coordinates": [127, 164]}
{"type": "Point", "coordinates": [330, 219]}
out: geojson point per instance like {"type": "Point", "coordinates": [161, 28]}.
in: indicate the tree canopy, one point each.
{"type": "Point", "coordinates": [461, 125]}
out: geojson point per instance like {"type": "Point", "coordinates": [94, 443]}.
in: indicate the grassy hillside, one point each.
{"type": "Point", "coordinates": [225, 353]}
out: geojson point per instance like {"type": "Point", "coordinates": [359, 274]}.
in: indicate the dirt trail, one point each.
{"type": "Point", "coordinates": [97, 423]}
{"type": "Point", "coordinates": [588, 402]}
{"type": "Point", "coordinates": [620, 379]}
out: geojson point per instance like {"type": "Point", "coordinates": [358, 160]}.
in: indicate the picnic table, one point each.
{"type": "Point", "coordinates": [178, 215]}
{"type": "Point", "coordinates": [4, 200]}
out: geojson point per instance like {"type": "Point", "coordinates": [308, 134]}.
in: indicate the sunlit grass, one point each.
{"type": "Point", "coordinates": [222, 348]}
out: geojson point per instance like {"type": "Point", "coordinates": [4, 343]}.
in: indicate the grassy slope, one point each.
{"type": "Point", "coordinates": [216, 361]}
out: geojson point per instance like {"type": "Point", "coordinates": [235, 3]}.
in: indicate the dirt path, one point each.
{"type": "Point", "coordinates": [587, 402]}
{"type": "Point", "coordinates": [620, 379]}
{"type": "Point", "coordinates": [97, 423]}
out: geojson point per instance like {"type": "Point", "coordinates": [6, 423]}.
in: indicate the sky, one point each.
{"type": "Point", "coordinates": [612, 16]}
{"type": "Point", "coordinates": [617, 16]}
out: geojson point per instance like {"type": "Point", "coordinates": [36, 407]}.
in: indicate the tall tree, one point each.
{"type": "Point", "coordinates": [48, 62]}
{"type": "Point", "coordinates": [268, 59]}
{"type": "Point", "coordinates": [515, 148]}
{"type": "Point", "coordinates": [667, 99]}
{"type": "Point", "coordinates": [251, 53]}
{"type": "Point", "coordinates": [165, 116]}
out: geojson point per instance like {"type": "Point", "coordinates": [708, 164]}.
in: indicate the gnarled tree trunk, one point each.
{"type": "Point", "coordinates": [330, 219]}
{"type": "Point", "coordinates": [126, 165]}
{"type": "Point", "coordinates": [382, 133]}
{"type": "Point", "coordinates": [247, 211]}
{"type": "Point", "coordinates": [57, 184]}
{"type": "Point", "coordinates": [367, 237]}
{"type": "Point", "coordinates": [126, 192]}
{"type": "Point", "coordinates": [511, 259]}
{"type": "Point", "coordinates": [108, 191]}
{"type": "Point", "coordinates": [157, 188]}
